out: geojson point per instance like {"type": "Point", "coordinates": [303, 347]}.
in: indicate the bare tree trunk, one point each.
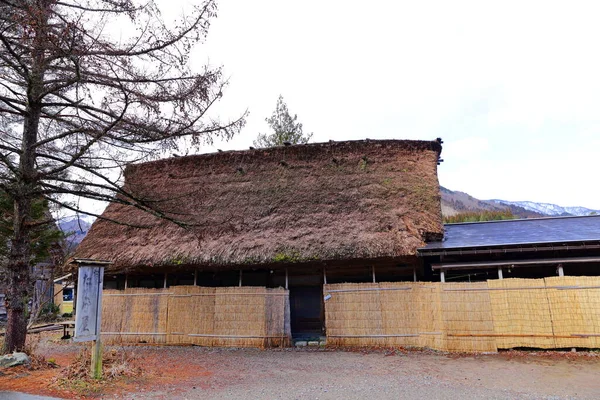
{"type": "Point", "coordinates": [19, 269]}
{"type": "Point", "coordinates": [19, 282]}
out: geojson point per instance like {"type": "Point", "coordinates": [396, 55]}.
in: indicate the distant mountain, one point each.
{"type": "Point", "coordinates": [548, 209]}
{"type": "Point", "coordinates": [455, 202]}
{"type": "Point", "coordinates": [75, 228]}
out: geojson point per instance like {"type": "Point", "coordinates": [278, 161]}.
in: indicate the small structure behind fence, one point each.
{"type": "Point", "coordinates": [556, 312]}
{"type": "Point", "coordinates": [222, 316]}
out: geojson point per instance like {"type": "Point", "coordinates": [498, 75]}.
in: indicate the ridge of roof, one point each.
{"type": "Point", "coordinates": [435, 145]}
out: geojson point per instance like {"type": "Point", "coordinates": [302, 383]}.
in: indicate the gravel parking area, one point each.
{"type": "Point", "coordinates": [222, 373]}
{"type": "Point", "coordinates": [291, 374]}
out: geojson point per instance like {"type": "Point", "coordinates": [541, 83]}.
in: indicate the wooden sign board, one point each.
{"type": "Point", "coordinates": [89, 303]}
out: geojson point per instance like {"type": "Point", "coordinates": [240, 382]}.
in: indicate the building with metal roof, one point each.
{"type": "Point", "coordinates": [546, 246]}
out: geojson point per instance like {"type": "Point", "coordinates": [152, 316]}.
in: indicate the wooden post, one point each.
{"type": "Point", "coordinates": [286, 279]}
{"type": "Point", "coordinates": [373, 273]}
{"type": "Point", "coordinates": [165, 282]}
{"type": "Point", "coordinates": [561, 271]}
{"type": "Point", "coordinates": [125, 281]}
{"type": "Point", "coordinates": [414, 274]}
{"type": "Point", "coordinates": [97, 358]}
{"type": "Point", "coordinates": [443, 275]}
{"type": "Point", "coordinates": [195, 277]}
{"type": "Point", "coordinates": [96, 367]}
{"type": "Point", "coordinates": [324, 275]}
{"type": "Point", "coordinates": [500, 273]}
{"type": "Point", "coordinates": [240, 284]}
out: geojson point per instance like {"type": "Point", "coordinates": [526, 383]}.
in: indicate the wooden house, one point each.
{"type": "Point", "coordinates": [293, 217]}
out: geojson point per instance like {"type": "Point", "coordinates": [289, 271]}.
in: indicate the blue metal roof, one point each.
{"type": "Point", "coordinates": [518, 232]}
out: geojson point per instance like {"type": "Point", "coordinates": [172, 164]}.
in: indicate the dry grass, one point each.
{"type": "Point", "coordinates": [116, 364]}
{"type": "Point", "coordinates": [330, 201]}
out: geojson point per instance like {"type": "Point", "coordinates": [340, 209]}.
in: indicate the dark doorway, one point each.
{"type": "Point", "coordinates": [306, 308]}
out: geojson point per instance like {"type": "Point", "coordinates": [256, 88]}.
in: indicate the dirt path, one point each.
{"type": "Point", "coordinates": [204, 373]}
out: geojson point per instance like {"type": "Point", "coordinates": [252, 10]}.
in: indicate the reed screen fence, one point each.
{"type": "Point", "coordinates": [208, 316]}
{"type": "Point", "coordinates": [555, 312]}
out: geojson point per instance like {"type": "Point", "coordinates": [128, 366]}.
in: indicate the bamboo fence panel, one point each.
{"type": "Point", "coordinates": [399, 313]}
{"type": "Point", "coordinates": [276, 307]}
{"type": "Point", "coordinates": [191, 313]}
{"type": "Point", "coordinates": [353, 315]}
{"type": "Point", "coordinates": [234, 316]}
{"type": "Point", "coordinates": [239, 317]}
{"type": "Point", "coordinates": [384, 314]}
{"type": "Point", "coordinates": [430, 322]}
{"type": "Point", "coordinates": [521, 313]}
{"type": "Point", "coordinates": [135, 315]}
{"type": "Point", "coordinates": [575, 309]}
{"type": "Point", "coordinates": [468, 323]}
{"type": "Point", "coordinates": [555, 312]}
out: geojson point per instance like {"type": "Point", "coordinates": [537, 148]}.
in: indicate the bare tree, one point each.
{"type": "Point", "coordinates": [79, 101]}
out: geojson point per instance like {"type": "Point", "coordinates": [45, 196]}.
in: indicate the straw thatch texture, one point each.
{"type": "Point", "coordinates": [467, 317]}
{"type": "Point", "coordinates": [521, 313]}
{"type": "Point", "coordinates": [326, 202]}
{"type": "Point", "coordinates": [226, 316]}
{"type": "Point", "coordinates": [135, 315]}
{"type": "Point", "coordinates": [575, 307]}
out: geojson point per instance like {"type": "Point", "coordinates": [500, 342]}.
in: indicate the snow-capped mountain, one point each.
{"type": "Point", "coordinates": [455, 202]}
{"type": "Point", "coordinates": [548, 208]}
{"type": "Point", "coordinates": [75, 227]}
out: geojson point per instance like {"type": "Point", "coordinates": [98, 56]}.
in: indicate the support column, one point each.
{"type": "Point", "coordinates": [286, 279]}
{"type": "Point", "coordinates": [195, 277]}
{"type": "Point", "coordinates": [414, 274]}
{"type": "Point", "coordinates": [560, 270]}
{"type": "Point", "coordinates": [125, 281]}
{"type": "Point", "coordinates": [443, 275]}
{"type": "Point", "coordinates": [324, 276]}
{"type": "Point", "coordinates": [165, 281]}
{"type": "Point", "coordinates": [500, 273]}
{"type": "Point", "coordinates": [373, 272]}
{"type": "Point", "coordinates": [240, 284]}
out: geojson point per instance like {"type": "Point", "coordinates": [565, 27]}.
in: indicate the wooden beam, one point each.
{"type": "Point", "coordinates": [515, 263]}
{"type": "Point", "coordinates": [443, 275]}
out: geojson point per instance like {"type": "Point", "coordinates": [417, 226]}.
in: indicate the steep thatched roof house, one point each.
{"type": "Point", "coordinates": [290, 216]}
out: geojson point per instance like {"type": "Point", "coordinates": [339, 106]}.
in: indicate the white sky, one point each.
{"type": "Point", "coordinates": [512, 87]}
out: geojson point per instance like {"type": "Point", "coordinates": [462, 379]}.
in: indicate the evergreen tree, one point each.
{"type": "Point", "coordinates": [285, 128]}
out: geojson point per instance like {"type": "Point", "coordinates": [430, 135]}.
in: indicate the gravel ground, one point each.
{"type": "Point", "coordinates": [306, 374]}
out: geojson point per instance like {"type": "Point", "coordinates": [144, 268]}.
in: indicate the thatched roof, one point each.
{"type": "Point", "coordinates": [316, 202]}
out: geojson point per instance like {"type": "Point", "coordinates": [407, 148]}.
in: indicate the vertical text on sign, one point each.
{"type": "Point", "coordinates": [89, 292]}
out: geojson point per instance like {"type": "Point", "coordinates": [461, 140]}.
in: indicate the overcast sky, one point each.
{"type": "Point", "coordinates": [512, 87]}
